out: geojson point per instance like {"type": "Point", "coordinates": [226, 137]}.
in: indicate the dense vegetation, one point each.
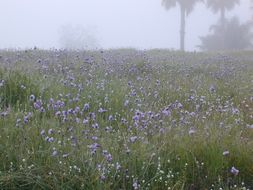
{"type": "Point", "coordinates": [126, 119]}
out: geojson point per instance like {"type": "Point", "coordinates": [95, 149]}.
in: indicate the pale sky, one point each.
{"type": "Point", "coordinates": [118, 23]}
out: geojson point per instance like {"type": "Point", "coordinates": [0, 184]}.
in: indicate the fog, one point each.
{"type": "Point", "coordinates": [141, 24]}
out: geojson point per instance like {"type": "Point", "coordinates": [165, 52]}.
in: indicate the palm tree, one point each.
{"type": "Point", "coordinates": [237, 36]}
{"type": "Point", "coordinates": [186, 7]}
{"type": "Point", "coordinates": [252, 7]}
{"type": "Point", "coordinates": [221, 6]}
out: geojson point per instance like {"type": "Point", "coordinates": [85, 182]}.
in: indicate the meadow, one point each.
{"type": "Point", "coordinates": [126, 119]}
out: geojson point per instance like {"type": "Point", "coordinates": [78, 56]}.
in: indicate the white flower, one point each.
{"type": "Point", "coordinates": [32, 98]}
{"type": "Point", "coordinates": [225, 153]}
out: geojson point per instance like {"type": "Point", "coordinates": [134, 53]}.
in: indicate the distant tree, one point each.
{"type": "Point", "coordinates": [222, 6]}
{"type": "Point", "coordinates": [186, 7]}
{"type": "Point", "coordinates": [237, 36]}
{"type": "Point", "coordinates": [77, 37]}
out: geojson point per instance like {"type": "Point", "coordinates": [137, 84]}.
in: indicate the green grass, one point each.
{"type": "Point", "coordinates": [181, 151]}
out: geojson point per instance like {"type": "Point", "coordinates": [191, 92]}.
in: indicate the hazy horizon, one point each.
{"type": "Point", "coordinates": [114, 23]}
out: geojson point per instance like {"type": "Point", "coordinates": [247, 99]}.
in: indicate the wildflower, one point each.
{"type": "Point", "coordinates": [118, 166]}
{"type": "Point", "coordinates": [42, 110]}
{"type": "Point", "coordinates": [192, 131]}
{"type": "Point", "coordinates": [94, 138]}
{"type": "Point", "coordinates": [50, 131]}
{"type": "Point", "coordinates": [49, 139]}
{"type": "Point", "coordinates": [133, 139]}
{"type": "Point", "coordinates": [42, 132]}
{"type": "Point", "coordinates": [102, 177]}
{"type": "Point", "coordinates": [107, 155]}
{"type": "Point", "coordinates": [86, 107]}
{"type": "Point", "coordinates": [235, 111]}
{"type": "Point", "coordinates": [212, 89]}
{"type": "Point", "coordinates": [93, 148]}
{"type": "Point", "coordinates": [58, 113]}
{"type": "Point", "coordinates": [77, 109]}
{"type": "Point", "coordinates": [225, 153]}
{"type": "Point", "coordinates": [37, 104]}
{"type": "Point", "coordinates": [234, 171]}
{"type": "Point", "coordinates": [93, 116]}
{"type": "Point", "coordinates": [166, 112]}
{"type": "Point", "coordinates": [179, 105]}
{"type": "Point", "coordinates": [77, 120]}
{"type": "Point", "coordinates": [32, 98]}
{"type": "Point", "coordinates": [54, 153]}
{"type": "Point", "coordinates": [101, 110]}
{"type": "Point", "coordinates": [126, 103]}
{"type": "Point", "coordinates": [18, 121]}
{"type": "Point", "coordinates": [1, 83]}
{"type": "Point", "coordinates": [23, 87]}
{"type": "Point", "coordinates": [110, 118]}
{"type": "Point", "coordinates": [26, 119]}
{"type": "Point", "coordinates": [95, 126]}
{"type": "Point", "coordinates": [85, 121]}
{"type": "Point", "coordinates": [136, 117]}
{"type": "Point", "coordinates": [65, 155]}
{"type": "Point", "coordinates": [136, 185]}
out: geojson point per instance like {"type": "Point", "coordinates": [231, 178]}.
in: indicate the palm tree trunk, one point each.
{"type": "Point", "coordinates": [222, 15]}
{"type": "Point", "coordinates": [182, 29]}
{"type": "Point", "coordinates": [222, 20]}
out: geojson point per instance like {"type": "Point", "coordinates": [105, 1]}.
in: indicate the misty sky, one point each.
{"type": "Point", "coordinates": [116, 23]}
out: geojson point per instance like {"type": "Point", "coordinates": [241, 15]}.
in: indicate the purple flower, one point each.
{"type": "Point", "coordinates": [42, 110]}
{"type": "Point", "coordinates": [65, 155]}
{"type": "Point", "coordinates": [54, 153]}
{"type": "Point", "coordinates": [77, 109]}
{"type": "Point", "coordinates": [49, 139]}
{"type": "Point", "coordinates": [136, 117]}
{"type": "Point", "coordinates": [94, 138]}
{"type": "Point", "coordinates": [58, 113]}
{"type": "Point", "coordinates": [86, 107]}
{"type": "Point", "coordinates": [110, 118]}
{"type": "Point", "coordinates": [37, 105]}
{"type": "Point", "coordinates": [101, 110]}
{"type": "Point", "coordinates": [234, 171]}
{"type": "Point", "coordinates": [42, 132]}
{"type": "Point", "coordinates": [26, 119]}
{"type": "Point", "coordinates": [126, 103]}
{"type": "Point", "coordinates": [65, 113]}
{"type": "Point", "coordinates": [166, 112]}
{"type": "Point", "coordinates": [133, 139]}
{"type": "Point", "coordinates": [50, 131]}
{"type": "Point", "coordinates": [212, 89]}
{"type": "Point", "coordinates": [107, 155]}
{"type": "Point", "coordinates": [235, 111]}
{"type": "Point", "coordinates": [92, 115]}
{"type": "Point", "coordinates": [95, 126]}
{"type": "Point", "coordinates": [136, 185]}
{"type": "Point", "coordinates": [93, 148]}
{"type": "Point", "coordinates": [85, 121]}
{"type": "Point", "coordinates": [179, 105]}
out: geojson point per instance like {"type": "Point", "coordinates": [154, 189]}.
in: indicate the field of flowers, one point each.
{"type": "Point", "coordinates": [126, 119]}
